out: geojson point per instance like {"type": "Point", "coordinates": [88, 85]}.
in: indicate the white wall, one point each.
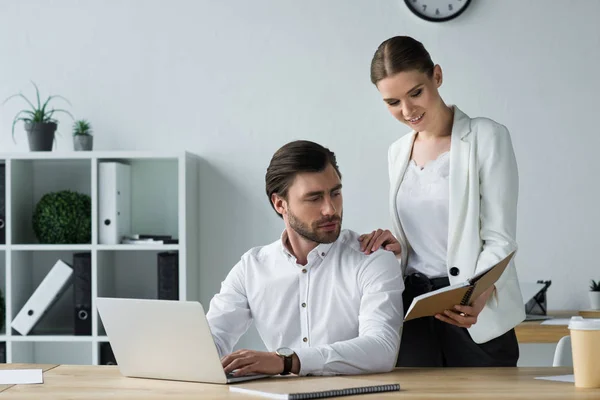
{"type": "Point", "coordinates": [234, 80]}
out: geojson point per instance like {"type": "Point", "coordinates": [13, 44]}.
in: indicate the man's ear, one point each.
{"type": "Point", "coordinates": [279, 203]}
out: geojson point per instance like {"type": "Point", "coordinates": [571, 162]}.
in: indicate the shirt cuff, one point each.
{"type": "Point", "coordinates": [311, 361]}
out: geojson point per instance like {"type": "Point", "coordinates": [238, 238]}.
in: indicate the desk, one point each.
{"type": "Point", "coordinates": [104, 382]}
{"type": "Point", "coordinates": [535, 332]}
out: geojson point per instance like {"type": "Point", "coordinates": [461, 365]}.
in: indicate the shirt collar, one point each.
{"type": "Point", "coordinates": [321, 250]}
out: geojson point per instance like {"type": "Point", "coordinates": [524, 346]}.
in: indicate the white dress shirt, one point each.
{"type": "Point", "coordinates": [422, 201]}
{"type": "Point", "coordinates": [341, 312]}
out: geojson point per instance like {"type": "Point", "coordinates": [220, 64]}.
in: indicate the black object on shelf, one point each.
{"type": "Point", "coordinates": [168, 275]}
{"type": "Point", "coordinates": [2, 352]}
{"type": "Point", "coordinates": [82, 293]}
{"type": "Point", "coordinates": [538, 303]}
{"type": "Point", "coordinates": [106, 354]}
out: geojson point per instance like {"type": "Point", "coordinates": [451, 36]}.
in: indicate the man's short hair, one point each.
{"type": "Point", "coordinates": [293, 158]}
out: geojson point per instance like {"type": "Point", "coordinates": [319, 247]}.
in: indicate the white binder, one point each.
{"type": "Point", "coordinates": [44, 296]}
{"type": "Point", "coordinates": [114, 202]}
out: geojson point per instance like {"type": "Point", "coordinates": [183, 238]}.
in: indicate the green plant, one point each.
{"type": "Point", "coordinates": [63, 217]}
{"type": "Point", "coordinates": [595, 286]}
{"type": "Point", "coordinates": [39, 113]}
{"type": "Point", "coordinates": [82, 127]}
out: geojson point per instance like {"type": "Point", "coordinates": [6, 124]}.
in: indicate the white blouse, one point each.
{"type": "Point", "coordinates": [422, 202]}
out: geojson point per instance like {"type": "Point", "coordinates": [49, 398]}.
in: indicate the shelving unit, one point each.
{"type": "Point", "coordinates": [164, 199]}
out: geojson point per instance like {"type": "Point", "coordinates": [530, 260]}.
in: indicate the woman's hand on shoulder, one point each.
{"type": "Point", "coordinates": [369, 242]}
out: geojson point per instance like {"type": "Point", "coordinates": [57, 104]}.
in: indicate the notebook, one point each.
{"type": "Point", "coordinates": [292, 388]}
{"type": "Point", "coordinates": [435, 302]}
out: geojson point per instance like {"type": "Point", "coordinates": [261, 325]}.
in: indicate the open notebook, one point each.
{"type": "Point", "coordinates": [313, 387]}
{"type": "Point", "coordinates": [435, 302]}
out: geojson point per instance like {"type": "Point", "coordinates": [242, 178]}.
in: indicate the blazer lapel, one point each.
{"type": "Point", "coordinates": [400, 162]}
{"type": "Point", "coordinates": [460, 148]}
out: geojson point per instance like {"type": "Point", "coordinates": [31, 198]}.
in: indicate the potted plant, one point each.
{"type": "Point", "coordinates": [82, 136]}
{"type": "Point", "coordinates": [595, 294]}
{"type": "Point", "coordinates": [39, 121]}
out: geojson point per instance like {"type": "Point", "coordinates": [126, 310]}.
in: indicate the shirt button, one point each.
{"type": "Point", "coordinates": [305, 340]}
{"type": "Point", "coordinates": [323, 254]}
{"type": "Point", "coordinates": [454, 271]}
{"type": "Point", "coordinates": [304, 305]}
{"type": "Point", "coordinates": [304, 270]}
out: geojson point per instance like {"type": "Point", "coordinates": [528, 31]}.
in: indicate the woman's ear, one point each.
{"type": "Point", "coordinates": [438, 76]}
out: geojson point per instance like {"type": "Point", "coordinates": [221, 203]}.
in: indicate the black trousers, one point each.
{"type": "Point", "coordinates": [429, 342]}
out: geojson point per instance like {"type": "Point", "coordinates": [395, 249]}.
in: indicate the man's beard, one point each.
{"type": "Point", "coordinates": [313, 232]}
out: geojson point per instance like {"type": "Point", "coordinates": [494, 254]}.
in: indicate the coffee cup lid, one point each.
{"type": "Point", "coordinates": [587, 324]}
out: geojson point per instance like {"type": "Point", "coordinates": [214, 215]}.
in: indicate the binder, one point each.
{"type": "Point", "coordinates": [168, 275]}
{"type": "Point", "coordinates": [82, 293]}
{"type": "Point", "coordinates": [435, 302]}
{"type": "Point", "coordinates": [45, 295]}
{"type": "Point", "coordinates": [325, 387]}
{"type": "Point", "coordinates": [107, 356]}
{"type": "Point", "coordinates": [114, 202]}
{"type": "Point", "coordinates": [2, 203]}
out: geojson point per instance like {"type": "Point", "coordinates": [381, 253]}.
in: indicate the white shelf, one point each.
{"type": "Point", "coordinates": [51, 247]}
{"type": "Point", "coordinates": [165, 189]}
{"type": "Point", "coordinates": [140, 247]}
{"type": "Point", "coordinates": [50, 338]}
{"type": "Point", "coordinates": [88, 155]}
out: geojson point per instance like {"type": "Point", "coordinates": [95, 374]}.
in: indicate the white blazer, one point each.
{"type": "Point", "coordinates": [482, 222]}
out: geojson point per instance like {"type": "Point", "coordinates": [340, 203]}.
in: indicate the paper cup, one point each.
{"type": "Point", "coordinates": [585, 345]}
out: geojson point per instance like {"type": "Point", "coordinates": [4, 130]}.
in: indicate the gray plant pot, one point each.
{"type": "Point", "coordinates": [83, 142]}
{"type": "Point", "coordinates": [40, 135]}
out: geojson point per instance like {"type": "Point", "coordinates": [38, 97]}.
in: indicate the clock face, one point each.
{"type": "Point", "coordinates": [437, 10]}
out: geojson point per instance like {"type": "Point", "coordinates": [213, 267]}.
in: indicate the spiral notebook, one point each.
{"type": "Point", "coordinates": [435, 302]}
{"type": "Point", "coordinates": [295, 388]}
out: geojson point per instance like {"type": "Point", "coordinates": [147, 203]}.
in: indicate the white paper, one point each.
{"type": "Point", "coordinates": [557, 321]}
{"type": "Point", "coordinates": [20, 376]}
{"type": "Point", "coordinates": [558, 378]}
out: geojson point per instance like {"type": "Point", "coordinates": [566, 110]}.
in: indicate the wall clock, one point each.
{"type": "Point", "coordinates": [437, 10]}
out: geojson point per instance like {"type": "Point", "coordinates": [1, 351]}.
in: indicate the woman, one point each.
{"type": "Point", "coordinates": [453, 203]}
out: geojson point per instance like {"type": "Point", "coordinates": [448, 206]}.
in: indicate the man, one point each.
{"type": "Point", "coordinates": [320, 305]}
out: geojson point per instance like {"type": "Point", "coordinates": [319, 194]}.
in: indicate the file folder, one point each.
{"type": "Point", "coordinates": [45, 295]}
{"type": "Point", "coordinates": [114, 202]}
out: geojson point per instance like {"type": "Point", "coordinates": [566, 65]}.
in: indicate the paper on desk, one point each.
{"type": "Point", "coordinates": [558, 378]}
{"type": "Point", "coordinates": [20, 376]}
{"type": "Point", "coordinates": [556, 321]}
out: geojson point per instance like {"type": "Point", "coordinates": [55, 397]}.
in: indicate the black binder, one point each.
{"type": "Point", "coordinates": [168, 275]}
{"type": "Point", "coordinates": [106, 354]}
{"type": "Point", "coordinates": [82, 293]}
{"type": "Point", "coordinates": [2, 203]}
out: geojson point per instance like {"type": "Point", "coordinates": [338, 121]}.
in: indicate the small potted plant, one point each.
{"type": "Point", "coordinates": [595, 294]}
{"type": "Point", "coordinates": [82, 135]}
{"type": "Point", "coordinates": [39, 121]}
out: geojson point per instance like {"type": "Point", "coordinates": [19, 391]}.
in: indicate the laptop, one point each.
{"type": "Point", "coordinates": [163, 339]}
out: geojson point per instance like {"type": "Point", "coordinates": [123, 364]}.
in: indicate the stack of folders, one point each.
{"type": "Point", "coordinates": [79, 274]}
{"type": "Point", "coordinates": [55, 283]}
{"type": "Point", "coordinates": [45, 295]}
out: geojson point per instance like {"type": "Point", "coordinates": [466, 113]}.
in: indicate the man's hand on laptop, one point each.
{"type": "Point", "coordinates": [246, 362]}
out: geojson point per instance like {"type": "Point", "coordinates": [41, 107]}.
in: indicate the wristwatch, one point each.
{"type": "Point", "coordinates": [287, 355]}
